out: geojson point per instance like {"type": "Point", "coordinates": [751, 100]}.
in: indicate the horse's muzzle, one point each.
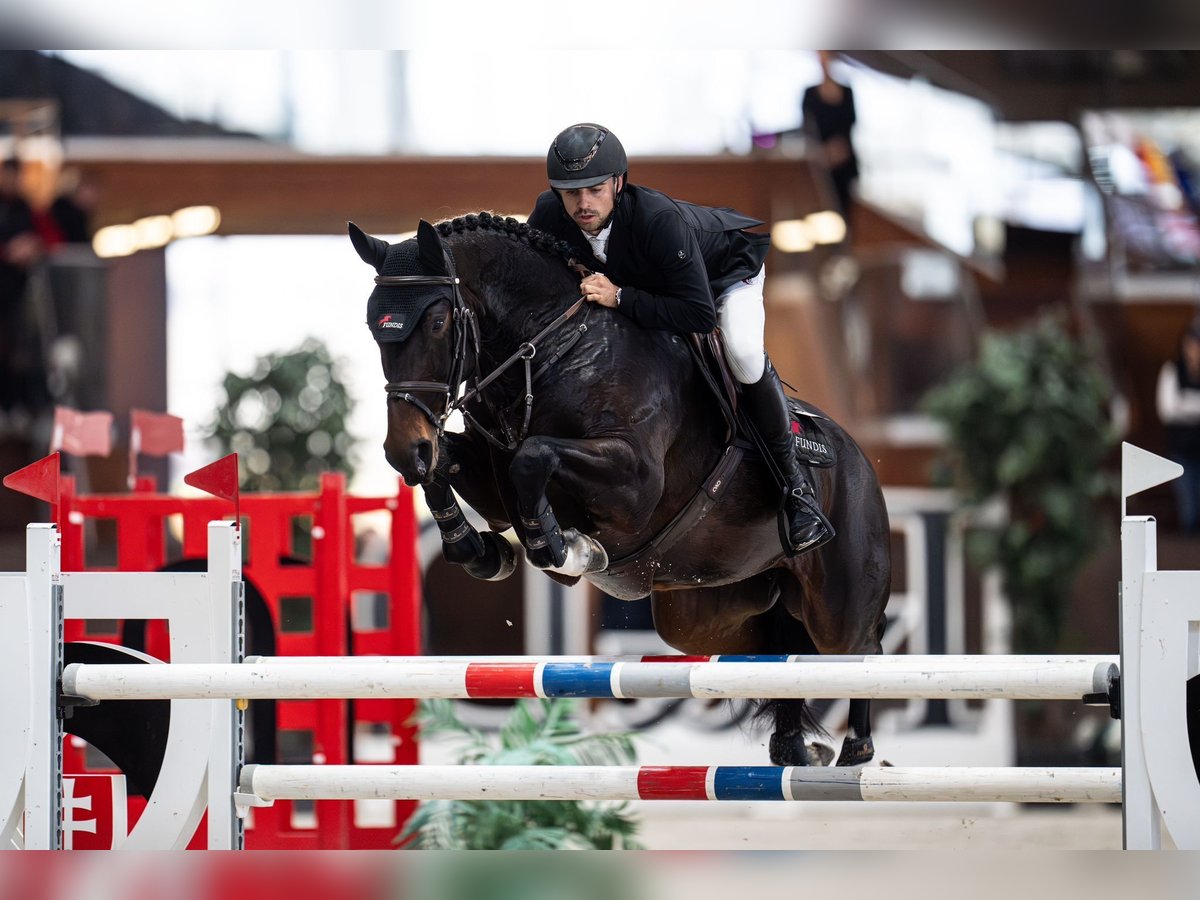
{"type": "Point", "coordinates": [415, 462]}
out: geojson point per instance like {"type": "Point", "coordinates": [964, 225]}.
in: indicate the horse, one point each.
{"type": "Point", "coordinates": [602, 445]}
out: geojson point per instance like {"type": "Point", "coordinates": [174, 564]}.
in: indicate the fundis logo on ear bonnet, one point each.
{"type": "Point", "coordinates": [394, 311]}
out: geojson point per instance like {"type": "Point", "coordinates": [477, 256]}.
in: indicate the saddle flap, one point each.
{"type": "Point", "coordinates": [710, 360]}
{"type": "Point", "coordinates": [812, 447]}
{"type": "Point", "coordinates": [716, 347]}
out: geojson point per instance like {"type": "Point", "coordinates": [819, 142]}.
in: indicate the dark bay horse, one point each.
{"type": "Point", "coordinates": [589, 435]}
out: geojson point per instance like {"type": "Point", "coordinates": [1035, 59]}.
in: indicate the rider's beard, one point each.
{"type": "Point", "coordinates": [594, 225]}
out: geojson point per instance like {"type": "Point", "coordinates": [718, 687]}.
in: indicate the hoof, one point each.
{"type": "Point", "coordinates": [583, 555]}
{"type": "Point", "coordinates": [787, 750]}
{"type": "Point", "coordinates": [790, 750]}
{"type": "Point", "coordinates": [497, 562]}
{"type": "Point", "coordinates": [856, 752]}
{"type": "Point", "coordinates": [819, 754]}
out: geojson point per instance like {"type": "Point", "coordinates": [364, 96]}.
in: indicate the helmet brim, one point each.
{"type": "Point", "coordinates": [570, 184]}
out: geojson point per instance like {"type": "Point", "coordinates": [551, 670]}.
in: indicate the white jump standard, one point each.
{"type": "Point", "coordinates": [1157, 782]}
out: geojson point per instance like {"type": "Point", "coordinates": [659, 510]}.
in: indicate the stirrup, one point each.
{"type": "Point", "coordinates": [803, 500]}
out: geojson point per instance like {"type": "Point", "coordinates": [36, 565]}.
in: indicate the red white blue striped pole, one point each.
{"type": "Point", "coordinates": [895, 677]}
{"type": "Point", "coordinates": [259, 783]}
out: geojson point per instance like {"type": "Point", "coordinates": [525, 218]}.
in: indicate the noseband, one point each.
{"type": "Point", "coordinates": [466, 327]}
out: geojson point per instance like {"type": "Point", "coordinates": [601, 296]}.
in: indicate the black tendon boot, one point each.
{"type": "Point", "coordinates": [765, 403]}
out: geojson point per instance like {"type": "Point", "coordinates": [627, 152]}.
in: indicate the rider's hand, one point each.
{"type": "Point", "coordinates": [596, 288]}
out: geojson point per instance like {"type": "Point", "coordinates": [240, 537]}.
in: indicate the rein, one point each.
{"type": "Point", "coordinates": [466, 326]}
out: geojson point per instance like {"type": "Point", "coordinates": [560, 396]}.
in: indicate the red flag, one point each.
{"type": "Point", "coordinates": [221, 480]}
{"type": "Point", "coordinates": [155, 434]}
{"type": "Point", "coordinates": [39, 479]}
{"type": "Point", "coordinates": [80, 433]}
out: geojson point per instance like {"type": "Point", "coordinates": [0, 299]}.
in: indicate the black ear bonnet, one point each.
{"type": "Point", "coordinates": [394, 311]}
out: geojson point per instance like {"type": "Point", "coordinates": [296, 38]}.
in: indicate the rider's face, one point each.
{"type": "Point", "coordinates": [590, 207]}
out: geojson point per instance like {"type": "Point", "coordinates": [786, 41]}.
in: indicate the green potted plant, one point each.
{"type": "Point", "coordinates": [286, 420]}
{"type": "Point", "coordinates": [542, 732]}
{"type": "Point", "coordinates": [1028, 421]}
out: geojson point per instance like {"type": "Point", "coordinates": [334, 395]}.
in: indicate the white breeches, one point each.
{"type": "Point", "coordinates": [742, 321]}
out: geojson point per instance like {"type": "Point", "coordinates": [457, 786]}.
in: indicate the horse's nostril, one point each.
{"type": "Point", "coordinates": [423, 457]}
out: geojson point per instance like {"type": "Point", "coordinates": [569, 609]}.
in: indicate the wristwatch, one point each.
{"type": "Point", "coordinates": [618, 303]}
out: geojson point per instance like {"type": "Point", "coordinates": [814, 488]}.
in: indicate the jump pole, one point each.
{"type": "Point", "coordinates": [882, 678]}
{"type": "Point", "coordinates": [264, 783]}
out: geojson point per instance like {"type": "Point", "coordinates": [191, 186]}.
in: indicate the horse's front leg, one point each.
{"type": "Point", "coordinates": [486, 556]}
{"type": "Point", "coordinates": [462, 467]}
{"type": "Point", "coordinates": [603, 478]}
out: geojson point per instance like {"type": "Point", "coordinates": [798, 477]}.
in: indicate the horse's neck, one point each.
{"type": "Point", "coordinates": [516, 311]}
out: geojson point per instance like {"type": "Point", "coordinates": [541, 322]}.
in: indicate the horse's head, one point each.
{"type": "Point", "coordinates": [411, 316]}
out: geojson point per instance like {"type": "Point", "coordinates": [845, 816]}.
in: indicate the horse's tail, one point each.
{"type": "Point", "coordinates": [789, 636]}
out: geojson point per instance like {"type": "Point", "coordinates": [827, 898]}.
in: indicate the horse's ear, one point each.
{"type": "Point", "coordinates": [372, 250]}
{"type": "Point", "coordinates": [429, 249]}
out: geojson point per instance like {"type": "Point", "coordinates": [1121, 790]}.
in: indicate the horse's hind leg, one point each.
{"type": "Point", "coordinates": [857, 747]}
{"type": "Point", "coordinates": [795, 723]}
{"type": "Point", "coordinates": [794, 720]}
{"type": "Point", "coordinates": [844, 613]}
{"type": "Point", "coordinates": [744, 618]}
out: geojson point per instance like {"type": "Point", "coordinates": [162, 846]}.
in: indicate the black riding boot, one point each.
{"type": "Point", "coordinates": [767, 407]}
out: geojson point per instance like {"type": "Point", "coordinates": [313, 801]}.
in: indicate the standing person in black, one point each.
{"type": "Point", "coordinates": [1178, 401]}
{"type": "Point", "coordinates": [828, 110]}
{"type": "Point", "coordinates": [678, 267]}
{"type": "Point", "coordinates": [19, 250]}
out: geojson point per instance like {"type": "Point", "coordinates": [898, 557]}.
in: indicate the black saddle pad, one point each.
{"type": "Point", "coordinates": [812, 447]}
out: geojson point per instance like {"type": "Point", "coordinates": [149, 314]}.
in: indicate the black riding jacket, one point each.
{"type": "Point", "coordinates": [670, 258]}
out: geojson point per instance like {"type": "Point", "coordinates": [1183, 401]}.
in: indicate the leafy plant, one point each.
{"type": "Point", "coordinates": [1028, 421]}
{"type": "Point", "coordinates": [286, 420]}
{"type": "Point", "coordinates": [541, 733]}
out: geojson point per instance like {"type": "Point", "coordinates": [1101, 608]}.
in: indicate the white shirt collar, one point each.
{"type": "Point", "coordinates": [599, 242]}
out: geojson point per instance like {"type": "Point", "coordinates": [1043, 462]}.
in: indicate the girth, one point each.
{"type": "Point", "coordinates": [712, 489]}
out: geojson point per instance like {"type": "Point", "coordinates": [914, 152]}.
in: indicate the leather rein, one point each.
{"type": "Point", "coordinates": [466, 334]}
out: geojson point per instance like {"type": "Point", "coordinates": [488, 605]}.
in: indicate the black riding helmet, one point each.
{"type": "Point", "coordinates": [584, 155]}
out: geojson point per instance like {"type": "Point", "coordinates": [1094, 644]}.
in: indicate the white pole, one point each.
{"type": "Point", "coordinates": [1000, 783]}
{"type": "Point", "coordinates": [898, 659]}
{"type": "Point", "coordinates": [942, 784]}
{"type": "Point", "coordinates": [903, 678]}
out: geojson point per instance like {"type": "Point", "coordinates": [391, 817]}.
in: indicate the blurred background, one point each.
{"type": "Point", "coordinates": [985, 278]}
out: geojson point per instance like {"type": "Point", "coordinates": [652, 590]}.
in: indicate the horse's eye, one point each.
{"type": "Point", "coordinates": [439, 323]}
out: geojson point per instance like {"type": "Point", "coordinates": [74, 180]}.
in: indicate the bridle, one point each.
{"type": "Point", "coordinates": [466, 331]}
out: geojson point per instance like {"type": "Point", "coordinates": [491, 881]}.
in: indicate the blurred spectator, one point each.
{"type": "Point", "coordinates": [20, 248]}
{"type": "Point", "coordinates": [19, 245]}
{"type": "Point", "coordinates": [68, 220]}
{"type": "Point", "coordinates": [1179, 410]}
{"type": "Point", "coordinates": [828, 110]}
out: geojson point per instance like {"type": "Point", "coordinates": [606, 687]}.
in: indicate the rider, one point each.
{"type": "Point", "coordinates": [661, 262]}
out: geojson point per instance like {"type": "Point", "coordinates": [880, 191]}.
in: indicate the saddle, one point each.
{"type": "Point", "coordinates": [812, 448]}
{"type": "Point", "coordinates": [741, 436]}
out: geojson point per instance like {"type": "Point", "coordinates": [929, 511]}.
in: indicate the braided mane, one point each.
{"type": "Point", "coordinates": [510, 228]}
